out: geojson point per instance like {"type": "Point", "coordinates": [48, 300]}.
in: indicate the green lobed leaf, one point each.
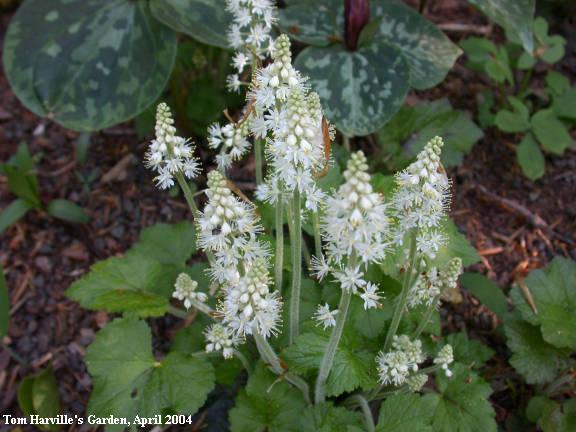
{"type": "Point", "coordinates": [558, 417]}
{"type": "Point", "coordinates": [38, 394]}
{"type": "Point", "coordinates": [328, 418]}
{"type": "Point", "coordinates": [129, 381]}
{"type": "Point", "coordinates": [550, 131]}
{"type": "Point", "coordinates": [358, 91]}
{"type": "Point", "coordinates": [538, 361]}
{"type": "Point", "coordinates": [352, 367]}
{"type": "Point", "coordinates": [564, 105]}
{"type": "Point", "coordinates": [463, 403]}
{"type": "Point", "coordinates": [467, 351]}
{"type": "Point", "coordinates": [530, 158]}
{"type": "Point", "coordinates": [15, 211]}
{"type": "Point", "coordinates": [203, 20]}
{"type": "Point", "coordinates": [514, 15]}
{"type": "Point", "coordinates": [267, 403]}
{"type": "Point", "coordinates": [4, 305]}
{"type": "Point", "coordinates": [87, 66]}
{"type": "Point", "coordinates": [409, 412]}
{"type": "Point", "coordinates": [554, 294]}
{"type": "Point", "coordinates": [67, 210]}
{"type": "Point", "coordinates": [166, 243]}
{"type": "Point", "coordinates": [513, 121]}
{"type": "Point", "coordinates": [486, 291]}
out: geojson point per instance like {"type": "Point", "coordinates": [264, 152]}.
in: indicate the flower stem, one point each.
{"type": "Point", "coordinates": [245, 363]}
{"type": "Point", "coordinates": [317, 236]}
{"type": "Point", "coordinates": [403, 298]}
{"type": "Point", "coordinates": [179, 313]}
{"type": "Point", "coordinates": [361, 401]}
{"type": "Point", "coordinates": [328, 357]}
{"type": "Point", "coordinates": [271, 359]}
{"type": "Point", "coordinates": [427, 315]}
{"type": "Point", "coordinates": [258, 160]}
{"type": "Point", "coordinates": [296, 268]}
{"type": "Point", "coordinates": [279, 244]}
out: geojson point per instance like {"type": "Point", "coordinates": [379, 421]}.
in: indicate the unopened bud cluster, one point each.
{"type": "Point", "coordinates": [396, 366]}
{"type": "Point", "coordinates": [169, 154]}
{"type": "Point", "coordinates": [185, 290]}
{"type": "Point", "coordinates": [444, 358]}
{"type": "Point", "coordinates": [220, 338]}
{"type": "Point", "coordinates": [433, 282]}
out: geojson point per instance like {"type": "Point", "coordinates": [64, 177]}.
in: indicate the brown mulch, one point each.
{"type": "Point", "coordinates": [43, 256]}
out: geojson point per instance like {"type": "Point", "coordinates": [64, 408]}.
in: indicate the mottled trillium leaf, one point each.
{"type": "Point", "coordinates": [554, 294]}
{"type": "Point", "coordinates": [315, 23]}
{"type": "Point", "coordinates": [128, 381]}
{"type": "Point", "coordinates": [86, 64]}
{"type": "Point", "coordinates": [203, 20]}
{"type": "Point", "coordinates": [428, 52]}
{"type": "Point", "coordinates": [514, 15]}
{"type": "Point", "coordinates": [359, 91]}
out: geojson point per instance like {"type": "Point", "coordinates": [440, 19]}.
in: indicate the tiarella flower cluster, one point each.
{"type": "Point", "coordinates": [169, 154]}
{"type": "Point", "coordinates": [232, 140]}
{"type": "Point", "coordinates": [354, 227]}
{"type": "Point", "coordinates": [220, 338]}
{"type": "Point", "coordinates": [185, 290]}
{"type": "Point", "coordinates": [249, 34]}
{"type": "Point", "coordinates": [444, 358]}
{"type": "Point", "coordinates": [228, 227]}
{"type": "Point", "coordinates": [433, 282]}
{"type": "Point", "coordinates": [248, 306]}
{"type": "Point", "coordinates": [421, 200]}
{"type": "Point", "coordinates": [396, 366]}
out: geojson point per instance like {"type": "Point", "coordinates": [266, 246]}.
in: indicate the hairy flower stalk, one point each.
{"type": "Point", "coordinates": [354, 228]}
{"type": "Point", "coordinates": [419, 205]}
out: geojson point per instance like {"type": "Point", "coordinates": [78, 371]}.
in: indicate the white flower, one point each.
{"type": "Point", "coordinates": [185, 290]}
{"type": "Point", "coordinates": [325, 316]}
{"type": "Point", "coordinates": [319, 267]}
{"type": "Point", "coordinates": [370, 296]}
{"type": "Point", "coordinates": [233, 82]}
{"type": "Point", "coordinates": [248, 306]}
{"type": "Point", "coordinates": [395, 367]}
{"type": "Point", "coordinates": [220, 338]}
{"type": "Point", "coordinates": [350, 279]}
{"type": "Point", "coordinates": [231, 140]}
{"type": "Point", "coordinates": [444, 358]}
{"type": "Point", "coordinates": [169, 154]}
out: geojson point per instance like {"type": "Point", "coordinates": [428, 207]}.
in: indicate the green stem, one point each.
{"type": "Point", "coordinates": [279, 244]}
{"type": "Point", "coordinates": [428, 314]}
{"type": "Point", "coordinates": [179, 313]}
{"type": "Point", "coordinates": [258, 160]}
{"type": "Point", "coordinates": [245, 363]}
{"type": "Point", "coordinates": [317, 236]}
{"type": "Point", "coordinates": [346, 142]}
{"type": "Point", "coordinates": [403, 298]}
{"type": "Point", "coordinates": [296, 269]}
{"type": "Point", "coordinates": [271, 359]}
{"type": "Point", "coordinates": [363, 404]}
{"type": "Point", "coordinates": [328, 357]}
{"type": "Point", "coordinates": [429, 369]}
{"type": "Point", "coordinates": [192, 205]}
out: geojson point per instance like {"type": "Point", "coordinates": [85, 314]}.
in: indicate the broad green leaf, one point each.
{"type": "Point", "coordinates": [554, 294]}
{"type": "Point", "coordinates": [317, 23]}
{"type": "Point", "coordinates": [328, 418]}
{"type": "Point", "coordinates": [564, 105]}
{"type": "Point", "coordinates": [538, 361]}
{"type": "Point", "coordinates": [530, 158]}
{"type": "Point", "coordinates": [412, 127]}
{"type": "Point", "coordinates": [203, 20]}
{"type": "Point", "coordinates": [4, 305]}
{"type": "Point", "coordinates": [267, 404]}
{"type": "Point", "coordinates": [498, 66]}
{"type": "Point", "coordinates": [551, 132]}
{"type": "Point", "coordinates": [39, 395]}
{"type": "Point", "coordinates": [369, 323]}
{"type": "Point", "coordinates": [352, 367]}
{"type": "Point", "coordinates": [134, 283]}
{"type": "Point", "coordinates": [409, 412]}
{"type": "Point", "coordinates": [463, 403]}
{"type": "Point", "coordinates": [167, 244]}
{"type": "Point", "coordinates": [557, 83]}
{"type": "Point", "coordinates": [15, 211]}
{"type": "Point", "coordinates": [359, 92]}
{"type": "Point", "coordinates": [558, 417]}
{"type": "Point", "coordinates": [486, 291]}
{"type": "Point", "coordinates": [467, 351]}
{"type": "Point", "coordinates": [513, 121]}
{"type": "Point", "coordinates": [479, 51]}
{"type": "Point", "coordinates": [514, 15]}
{"type": "Point", "coordinates": [550, 48]}
{"type": "Point", "coordinates": [67, 210]}
{"type": "Point", "coordinates": [87, 66]}
{"type": "Point", "coordinates": [427, 51]}
{"type": "Point", "coordinates": [21, 173]}
{"type": "Point", "coordinates": [128, 380]}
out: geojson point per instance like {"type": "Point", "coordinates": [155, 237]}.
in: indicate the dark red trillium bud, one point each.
{"type": "Point", "coordinates": [356, 16]}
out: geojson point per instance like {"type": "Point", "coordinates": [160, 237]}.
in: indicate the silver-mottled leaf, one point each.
{"type": "Point", "coordinates": [316, 23]}
{"type": "Point", "coordinates": [87, 64]}
{"type": "Point", "coordinates": [514, 15]}
{"type": "Point", "coordinates": [429, 53]}
{"type": "Point", "coordinates": [204, 20]}
{"type": "Point", "coordinates": [360, 90]}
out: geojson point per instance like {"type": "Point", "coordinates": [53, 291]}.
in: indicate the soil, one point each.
{"type": "Point", "coordinates": [43, 256]}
